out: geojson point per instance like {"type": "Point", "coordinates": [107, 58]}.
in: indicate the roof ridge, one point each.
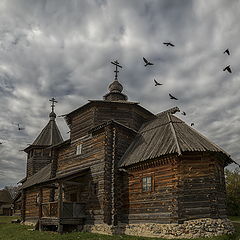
{"type": "Point", "coordinates": [174, 134]}
{"type": "Point", "coordinates": [160, 125]}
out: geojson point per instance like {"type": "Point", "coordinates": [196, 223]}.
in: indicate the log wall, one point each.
{"type": "Point", "coordinates": [201, 188]}
{"type": "Point", "coordinates": [91, 190]}
{"type": "Point", "coordinates": [158, 205]}
{"type": "Point", "coordinates": [31, 206]}
{"type": "Point", "coordinates": [81, 123]}
{"type": "Point", "coordinates": [183, 188]}
{"type": "Point", "coordinates": [36, 163]}
{"type": "Point", "coordinates": [128, 115]}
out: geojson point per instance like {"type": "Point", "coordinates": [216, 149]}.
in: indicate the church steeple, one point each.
{"type": "Point", "coordinates": [115, 88]}
{"type": "Point", "coordinates": [50, 135]}
{"type": "Point", "coordinates": [39, 152]}
{"type": "Point", "coordinates": [52, 114]}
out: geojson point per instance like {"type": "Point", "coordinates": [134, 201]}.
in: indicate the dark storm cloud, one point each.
{"type": "Point", "coordinates": [63, 49]}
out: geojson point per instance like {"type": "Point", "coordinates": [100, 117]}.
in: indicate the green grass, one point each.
{"type": "Point", "coordinates": [9, 231]}
{"type": "Point", "coordinates": [235, 218]}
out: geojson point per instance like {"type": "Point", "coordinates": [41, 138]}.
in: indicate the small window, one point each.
{"type": "Point", "coordinates": [79, 149]}
{"type": "Point", "coordinates": [147, 184]}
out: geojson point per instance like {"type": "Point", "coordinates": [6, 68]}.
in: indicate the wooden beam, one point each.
{"type": "Point", "coordinates": [40, 208]}
{"type": "Point", "coordinates": [60, 203]}
{"type": "Point", "coordinates": [71, 183]}
{"type": "Point", "coordinates": [23, 208]}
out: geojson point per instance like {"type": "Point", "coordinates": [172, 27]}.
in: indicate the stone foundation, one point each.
{"type": "Point", "coordinates": [205, 227]}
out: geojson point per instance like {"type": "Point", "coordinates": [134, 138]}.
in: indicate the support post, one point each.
{"type": "Point", "coordinates": [23, 208]}
{"type": "Point", "coordinates": [60, 204]}
{"type": "Point", "coordinates": [40, 208]}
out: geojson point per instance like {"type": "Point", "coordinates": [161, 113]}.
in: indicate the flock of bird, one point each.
{"type": "Point", "coordinates": [19, 128]}
{"type": "Point", "coordinates": [169, 44]}
{"type": "Point", "coordinates": [148, 63]}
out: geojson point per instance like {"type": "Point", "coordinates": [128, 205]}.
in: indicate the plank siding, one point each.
{"type": "Point", "coordinates": [31, 206]}
{"type": "Point", "coordinates": [158, 205]}
{"type": "Point", "coordinates": [93, 156]}
{"type": "Point", "coordinates": [128, 115]}
{"type": "Point", "coordinates": [81, 123]}
{"type": "Point", "coordinates": [188, 187]}
{"type": "Point", "coordinates": [201, 187]}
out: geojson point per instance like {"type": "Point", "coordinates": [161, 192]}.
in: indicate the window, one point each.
{"type": "Point", "coordinates": [79, 149]}
{"type": "Point", "coordinates": [147, 184]}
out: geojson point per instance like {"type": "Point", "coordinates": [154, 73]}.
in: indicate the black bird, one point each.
{"type": "Point", "coordinates": [1, 143]}
{"type": "Point", "coordinates": [172, 97]}
{"type": "Point", "coordinates": [147, 62]}
{"type": "Point", "coordinates": [20, 128]}
{"type": "Point", "coordinates": [169, 44]}
{"type": "Point", "coordinates": [157, 83]}
{"type": "Point", "coordinates": [192, 124]}
{"type": "Point", "coordinates": [228, 69]}
{"type": "Point", "coordinates": [183, 113]}
{"type": "Point", "coordinates": [227, 52]}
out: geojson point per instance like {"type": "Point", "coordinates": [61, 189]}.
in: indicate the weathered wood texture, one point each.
{"type": "Point", "coordinates": [188, 187]}
{"type": "Point", "coordinates": [36, 163]}
{"type": "Point", "coordinates": [82, 123]}
{"type": "Point", "coordinates": [31, 205]}
{"type": "Point", "coordinates": [201, 186]}
{"type": "Point", "coordinates": [91, 185]}
{"type": "Point", "coordinates": [128, 115]}
{"type": "Point", "coordinates": [159, 204]}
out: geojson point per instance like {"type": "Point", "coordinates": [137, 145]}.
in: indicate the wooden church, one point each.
{"type": "Point", "coordinates": [122, 166]}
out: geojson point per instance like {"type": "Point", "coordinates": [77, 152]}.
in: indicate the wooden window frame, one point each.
{"type": "Point", "coordinates": [79, 149]}
{"type": "Point", "coordinates": [147, 190]}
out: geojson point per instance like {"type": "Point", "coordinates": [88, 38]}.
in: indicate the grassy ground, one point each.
{"type": "Point", "coordinates": [9, 231]}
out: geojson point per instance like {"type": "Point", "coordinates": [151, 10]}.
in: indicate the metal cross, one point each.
{"type": "Point", "coordinates": [116, 63]}
{"type": "Point", "coordinates": [53, 100]}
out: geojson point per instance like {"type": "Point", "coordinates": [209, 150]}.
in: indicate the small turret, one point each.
{"type": "Point", "coordinates": [39, 152]}
{"type": "Point", "coordinates": [115, 88]}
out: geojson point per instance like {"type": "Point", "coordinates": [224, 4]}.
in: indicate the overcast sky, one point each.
{"type": "Point", "coordinates": [63, 49]}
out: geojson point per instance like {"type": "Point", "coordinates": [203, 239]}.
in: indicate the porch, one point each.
{"type": "Point", "coordinates": [70, 213]}
{"type": "Point", "coordinates": [65, 209]}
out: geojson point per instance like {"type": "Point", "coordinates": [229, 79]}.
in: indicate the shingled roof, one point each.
{"type": "Point", "coordinates": [167, 134]}
{"type": "Point", "coordinates": [50, 135]}
{"type": "Point", "coordinates": [41, 176]}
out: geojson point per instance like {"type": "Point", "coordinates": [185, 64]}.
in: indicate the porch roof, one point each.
{"type": "Point", "coordinates": [70, 173]}
{"type": "Point", "coordinates": [41, 176]}
{"type": "Point", "coordinates": [44, 176]}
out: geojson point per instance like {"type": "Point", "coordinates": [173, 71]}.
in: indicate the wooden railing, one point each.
{"type": "Point", "coordinates": [50, 209]}
{"type": "Point", "coordinates": [69, 209]}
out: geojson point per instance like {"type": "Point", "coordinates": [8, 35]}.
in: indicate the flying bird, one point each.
{"type": "Point", "coordinates": [228, 69]}
{"type": "Point", "coordinates": [169, 44]}
{"type": "Point", "coordinates": [20, 128]}
{"type": "Point", "coordinates": [192, 124]}
{"type": "Point", "coordinates": [183, 113]}
{"type": "Point", "coordinates": [172, 97]}
{"type": "Point", "coordinates": [227, 52]}
{"type": "Point", "coordinates": [157, 83]}
{"type": "Point", "coordinates": [147, 62]}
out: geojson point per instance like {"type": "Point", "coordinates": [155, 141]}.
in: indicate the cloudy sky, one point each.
{"type": "Point", "coordinates": [63, 49]}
